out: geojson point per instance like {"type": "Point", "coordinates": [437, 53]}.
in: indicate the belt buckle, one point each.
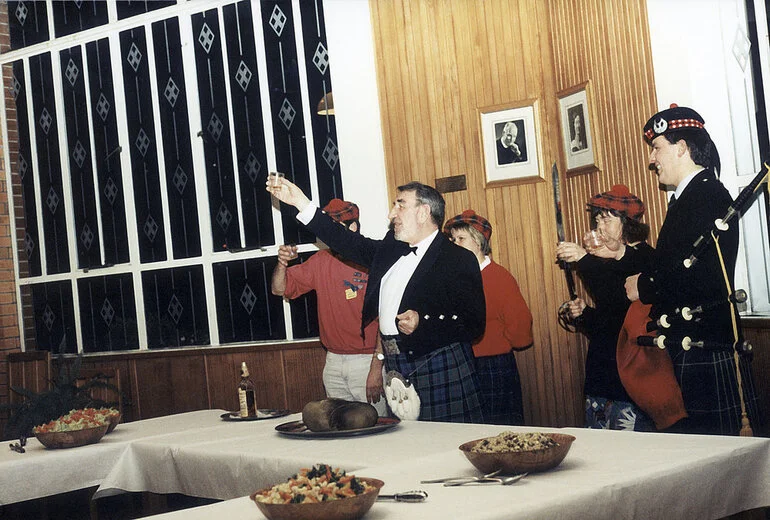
{"type": "Point", "coordinates": [390, 347]}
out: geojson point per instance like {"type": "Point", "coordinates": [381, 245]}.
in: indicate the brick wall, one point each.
{"type": "Point", "coordinates": [9, 324]}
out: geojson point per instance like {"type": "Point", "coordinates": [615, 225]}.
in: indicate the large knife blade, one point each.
{"type": "Point", "coordinates": [566, 267]}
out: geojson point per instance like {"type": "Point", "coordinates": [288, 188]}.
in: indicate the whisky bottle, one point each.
{"type": "Point", "coordinates": [246, 396]}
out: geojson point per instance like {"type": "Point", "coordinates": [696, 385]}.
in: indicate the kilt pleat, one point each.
{"type": "Point", "coordinates": [446, 382]}
{"type": "Point", "coordinates": [500, 387]}
{"type": "Point", "coordinates": [710, 390]}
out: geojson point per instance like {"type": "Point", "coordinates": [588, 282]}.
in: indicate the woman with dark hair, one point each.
{"type": "Point", "coordinates": [508, 328]}
{"type": "Point", "coordinates": [615, 248]}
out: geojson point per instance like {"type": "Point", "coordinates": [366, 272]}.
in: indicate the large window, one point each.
{"type": "Point", "coordinates": [137, 150]}
{"type": "Point", "coordinates": [755, 221]}
{"type": "Point", "coordinates": [723, 71]}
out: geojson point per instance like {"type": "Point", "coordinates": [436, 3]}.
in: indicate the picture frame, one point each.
{"type": "Point", "coordinates": [510, 143]}
{"type": "Point", "coordinates": [577, 130]}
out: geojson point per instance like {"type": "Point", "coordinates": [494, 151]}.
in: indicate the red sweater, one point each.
{"type": "Point", "coordinates": [340, 290]}
{"type": "Point", "coordinates": [509, 321]}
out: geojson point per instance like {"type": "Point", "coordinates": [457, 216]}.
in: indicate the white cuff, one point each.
{"type": "Point", "coordinates": [307, 213]}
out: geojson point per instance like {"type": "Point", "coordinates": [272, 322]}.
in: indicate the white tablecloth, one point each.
{"type": "Point", "coordinates": [241, 457]}
{"type": "Point", "coordinates": [607, 474]}
{"type": "Point", "coordinates": [42, 472]}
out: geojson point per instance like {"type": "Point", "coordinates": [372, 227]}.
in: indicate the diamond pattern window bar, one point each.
{"type": "Point", "coordinates": [140, 164]}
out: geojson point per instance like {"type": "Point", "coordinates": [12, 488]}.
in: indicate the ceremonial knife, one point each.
{"type": "Point", "coordinates": [560, 231]}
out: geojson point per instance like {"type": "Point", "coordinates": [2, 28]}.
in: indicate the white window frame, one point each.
{"type": "Point", "coordinates": [208, 258]}
{"type": "Point", "coordinates": [698, 68]}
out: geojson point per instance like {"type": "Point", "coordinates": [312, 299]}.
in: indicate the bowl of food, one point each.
{"type": "Point", "coordinates": [512, 453]}
{"type": "Point", "coordinates": [319, 492]}
{"type": "Point", "coordinates": [76, 428]}
{"type": "Point", "coordinates": [113, 417]}
{"type": "Point", "coordinates": [73, 438]}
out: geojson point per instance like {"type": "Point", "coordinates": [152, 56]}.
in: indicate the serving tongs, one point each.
{"type": "Point", "coordinates": [464, 479]}
{"type": "Point", "coordinates": [503, 481]}
{"type": "Point", "coordinates": [489, 478]}
{"type": "Point", "coordinates": [417, 495]}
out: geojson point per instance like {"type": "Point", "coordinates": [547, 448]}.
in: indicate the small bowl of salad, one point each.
{"type": "Point", "coordinates": [76, 428]}
{"type": "Point", "coordinates": [319, 492]}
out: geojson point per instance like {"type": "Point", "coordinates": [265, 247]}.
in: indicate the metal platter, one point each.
{"type": "Point", "coordinates": [262, 413]}
{"type": "Point", "coordinates": [298, 429]}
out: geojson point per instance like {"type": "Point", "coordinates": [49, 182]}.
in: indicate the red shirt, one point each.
{"type": "Point", "coordinates": [340, 289]}
{"type": "Point", "coordinates": [509, 321]}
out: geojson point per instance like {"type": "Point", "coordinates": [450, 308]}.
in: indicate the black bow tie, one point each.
{"type": "Point", "coordinates": [672, 200]}
{"type": "Point", "coordinates": [410, 249]}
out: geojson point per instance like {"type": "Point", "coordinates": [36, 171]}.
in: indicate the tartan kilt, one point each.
{"type": "Point", "coordinates": [446, 382]}
{"type": "Point", "coordinates": [500, 387]}
{"type": "Point", "coordinates": [710, 390]}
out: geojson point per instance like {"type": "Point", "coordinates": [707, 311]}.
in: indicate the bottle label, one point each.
{"type": "Point", "coordinates": [244, 404]}
{"type": "Point", "coordinates": [247, 402]}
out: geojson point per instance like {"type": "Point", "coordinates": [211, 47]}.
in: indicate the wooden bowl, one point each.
{"type": "Point", "coordinates": [72, 439]}
{"type": "Point", "coordinates": [350, 508]}
{"type": "Point", "coordinates": [512, 462]}
{"type": "Point", "coordinates": [113, 421]}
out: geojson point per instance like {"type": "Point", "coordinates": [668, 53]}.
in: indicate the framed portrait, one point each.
{"type": "Point", "coordinates": [510, 143]}
{"type": "Point", "coordinates": [577, 129]}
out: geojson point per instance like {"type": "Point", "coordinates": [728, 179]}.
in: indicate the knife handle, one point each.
{"type": "Point", "coordinates": [407, 496]}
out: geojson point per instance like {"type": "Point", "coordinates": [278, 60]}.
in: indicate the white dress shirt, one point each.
{"type": "Point", "coordinates": [394, 284]}
{"type": "Point", "coordinates": [395, 280]}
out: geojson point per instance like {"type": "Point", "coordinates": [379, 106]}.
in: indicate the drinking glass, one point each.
{"type": "Point", "coordinates": [593, 240]}
{"type": "Point", "coordinates": [274, 179]}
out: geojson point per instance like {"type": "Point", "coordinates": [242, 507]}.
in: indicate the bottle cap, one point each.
{"type": "Point", "coordinates": [244, 370]}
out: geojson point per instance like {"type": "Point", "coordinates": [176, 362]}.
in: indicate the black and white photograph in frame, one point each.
{"type": "Point", "coordinates": [509, 142]}
{"type": "Point", "coordinates": [511, 139]}
{"type": "Point", "coordinates": [576, 128]}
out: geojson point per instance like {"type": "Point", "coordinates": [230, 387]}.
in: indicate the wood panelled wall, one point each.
{"type": "Point", "coordinates": [438, 62]}
{"type": "Point", "coordinates": [757, 332]}
{"type": "Point", "coordinates": [157, 383]}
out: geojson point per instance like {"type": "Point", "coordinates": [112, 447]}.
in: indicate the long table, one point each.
{"type": "Point", "coordinates": [40, 472]}
{"type": "Point", "coordinates": [607, 474]}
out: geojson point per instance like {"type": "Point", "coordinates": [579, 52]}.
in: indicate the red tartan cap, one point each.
{"type": "Point", "coordinates": [474, 220]}
{"type": "Point", "coordinates": [672, 118]}
{"type": "Point", "coordinates": [341, 210]}
{"type": "Point", "coordinates": [619, 199]}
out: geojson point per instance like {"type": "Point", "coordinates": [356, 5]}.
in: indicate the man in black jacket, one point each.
{"type": "Point", "coordinates": [685, 158]}
{"type": "Point", "coordinates": [426, 291]}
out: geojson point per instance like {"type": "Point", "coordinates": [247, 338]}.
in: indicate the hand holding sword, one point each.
{"type": "Point", "coordinates": [566, 318]}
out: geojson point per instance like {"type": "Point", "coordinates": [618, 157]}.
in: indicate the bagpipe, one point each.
{"type": "Point", "coordinates": [647, 373]}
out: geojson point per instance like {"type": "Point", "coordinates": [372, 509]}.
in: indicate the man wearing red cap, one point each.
{"type": "Point", "coordinates": [340, 287]}
{"type": "Point", "coordinates": [685, 158]}
{"type": "Point", "coordinates": [509, 323]}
